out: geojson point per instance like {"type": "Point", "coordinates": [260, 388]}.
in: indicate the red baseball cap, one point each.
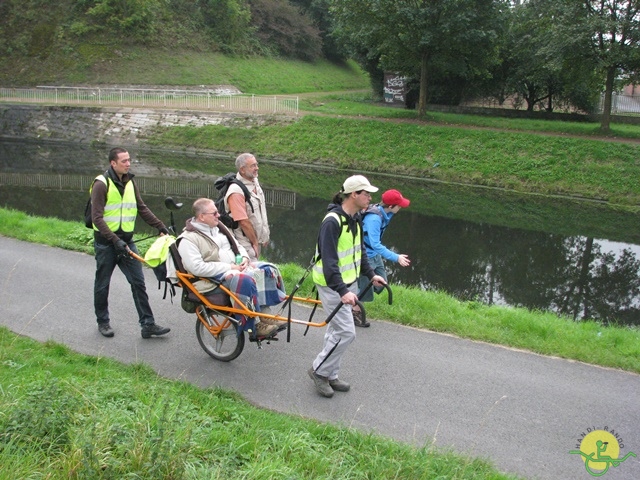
{"type": "Point", "coordinates": [394, 197]}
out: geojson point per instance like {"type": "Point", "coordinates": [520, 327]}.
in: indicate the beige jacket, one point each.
{"type": "Point", "coordinates": [258, 217]}
{"type": "Point", "coordinates": [206, 252]}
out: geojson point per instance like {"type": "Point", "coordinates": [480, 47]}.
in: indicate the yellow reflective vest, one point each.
{"type": "Point", "coordinates": [120, 211]}
{"type": "Point", "coordinates": [349, 254]}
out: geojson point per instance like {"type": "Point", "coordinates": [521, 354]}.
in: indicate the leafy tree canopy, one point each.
{"type": "Point", "coordinates": [604, 34]}
{"type": "Point", "coordinates": [264, 27]}
{"type": "Point", "coordinates": [450, 36]}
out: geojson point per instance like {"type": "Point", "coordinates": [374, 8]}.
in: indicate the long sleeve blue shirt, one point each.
{"type": "Point", "coordinates": [373, 226]}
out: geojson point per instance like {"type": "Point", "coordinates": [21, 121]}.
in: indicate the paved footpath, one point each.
{"type": "Point", "coordinates": [522, 411]}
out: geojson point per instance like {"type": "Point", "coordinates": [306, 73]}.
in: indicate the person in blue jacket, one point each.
{"type": "Point", "coordinates": [375, 220]}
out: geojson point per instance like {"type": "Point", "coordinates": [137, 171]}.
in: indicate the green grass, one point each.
{"type": "Point", "coordinates": [586, 129]}
{"type": "Point", "coordinates": [70, 416]}
{"type": "Point", "coordinates": [141, 66]}
{"type": "Point", "coordinates": [358, 104]}
{"type": "Point", "coordinates": [527, 162]}
{"type": "Point", "coordinates": [256, 75]}
{"type": "Point", "coordinates": [540, 332]}
{"type": "Point", "coordinates": [47, 231]}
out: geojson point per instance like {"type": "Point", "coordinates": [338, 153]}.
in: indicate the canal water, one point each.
{"type": "Point", "coordinates": [579, 258]}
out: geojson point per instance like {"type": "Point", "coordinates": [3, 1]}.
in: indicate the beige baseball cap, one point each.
{"type": "Point", "coordinates": [356, 183]}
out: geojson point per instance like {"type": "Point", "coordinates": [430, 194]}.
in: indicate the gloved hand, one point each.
{"type": "Point", "coordinates": [164, 230]}
{"type": "Point", "coordinates": [121, 246]}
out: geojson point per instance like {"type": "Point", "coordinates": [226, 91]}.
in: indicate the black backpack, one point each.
{"type": "Point", "coordinates": [87, 208]}
{"type": "Point", "coordinates": [222, 185]}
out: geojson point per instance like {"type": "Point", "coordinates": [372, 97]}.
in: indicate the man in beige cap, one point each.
{"type": "Point", "coordinates": [339, 264]}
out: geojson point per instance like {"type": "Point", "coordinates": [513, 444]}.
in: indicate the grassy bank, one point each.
{"type": "Point", "coordinates": [544, 333]}
{"type": "Point", "coordinates": [134, 65]}
{"type": "Point", "coordinates": [522, 161]}
{"type": "Point", "coordinates": [361, 104]}
{"type": "Point", "coordinates": [70, 416]}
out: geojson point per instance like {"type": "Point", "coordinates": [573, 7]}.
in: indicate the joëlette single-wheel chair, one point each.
{"type": "Point", "coordinates": [222, 316]}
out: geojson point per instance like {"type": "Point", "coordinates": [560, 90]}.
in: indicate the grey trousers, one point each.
{"type": "Point", "coordinates": [341, 331]}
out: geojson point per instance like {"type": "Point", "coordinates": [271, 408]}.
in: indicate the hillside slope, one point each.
{"type": "Point", "coordinates": [153, 42]}
{"type": "Point", "coordinates": [147, 66]}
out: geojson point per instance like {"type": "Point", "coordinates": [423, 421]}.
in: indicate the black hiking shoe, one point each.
{"type": "Point", "coordinates": [153, 329]}
{"type": "Point", "coordinates": [106, 330]}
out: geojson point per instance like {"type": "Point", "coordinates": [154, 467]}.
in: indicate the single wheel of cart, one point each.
{"type": "Point", "coordinates": [218, 334]}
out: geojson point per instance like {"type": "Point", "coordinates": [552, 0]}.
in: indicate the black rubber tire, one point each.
{"type": "Point", "coordinates": [225, 347]}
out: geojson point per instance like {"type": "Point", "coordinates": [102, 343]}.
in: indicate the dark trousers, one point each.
{"type": "Point", "coordinates": [106, 261]}
{"type": "Point", "coordinates": [377, 263]}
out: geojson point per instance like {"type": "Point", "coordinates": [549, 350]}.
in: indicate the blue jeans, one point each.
{"type": "Point", "coordinates": [106, 260]}
{"type": "Point", "coordinates": [377, 263]}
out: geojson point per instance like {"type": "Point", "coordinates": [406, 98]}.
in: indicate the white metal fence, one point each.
{"type": "Point", "coordinates": [159, 98]}
{"type": "Point", "coordinates": [622, 104]}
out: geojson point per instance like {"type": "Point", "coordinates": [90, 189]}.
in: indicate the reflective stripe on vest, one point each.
{"type": "Point", "coordinates": [120, 212]}
{"type": "Point", "coordinates": [349, 254]}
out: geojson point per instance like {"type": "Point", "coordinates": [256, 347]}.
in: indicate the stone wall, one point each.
{"type": "Point", "coordinates": [115, 126]}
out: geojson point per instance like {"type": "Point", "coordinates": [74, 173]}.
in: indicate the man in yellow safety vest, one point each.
{"type": "Point", "coordinates": [339, 263]}
{"type": "Point", "coordinates": [115, 204]}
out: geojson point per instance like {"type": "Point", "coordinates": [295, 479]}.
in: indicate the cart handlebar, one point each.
{"type": "Point", "coordinates": [135, 255]}
{"type": "Point", "coordinates": [368, 287]}
{"type": "Point", "coordinates": [358, 302]}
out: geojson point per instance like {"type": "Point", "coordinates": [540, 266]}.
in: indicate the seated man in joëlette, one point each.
{"type": "Point", "coordinates": [208, 249]}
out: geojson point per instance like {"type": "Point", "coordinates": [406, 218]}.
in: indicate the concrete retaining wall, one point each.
{"type": "Point", "coordinates": [121, 126]}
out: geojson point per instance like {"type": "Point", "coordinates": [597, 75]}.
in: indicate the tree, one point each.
{"type": "Point", "coordinates": [606, 33]}
{"type": "Point", "coordinates": [535, 75]}
{"type": "Point", "coordinates": [318, 11]}
{"type": "Point", "coordinates": [227, 21]}
{"type": "Point", "coordinates": [530, 66]}
{"type": "Point", "coordinates": [286, 29]}
{"type": "Point", "coordinates": [495, 83]}
{"type": "Point", "coordinates": [455, 35]}
{"type": "Point", "coordinates": [136, 18]}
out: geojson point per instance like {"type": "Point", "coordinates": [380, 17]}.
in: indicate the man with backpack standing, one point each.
{"type": "Point", "coordinates": [115, 204]}
{"type": "Point", "coordinates": [339, 262]}
{"type": "Point", "coordinates": [253, 226]}
{"type": "Point", "coordinates": [375, 220]}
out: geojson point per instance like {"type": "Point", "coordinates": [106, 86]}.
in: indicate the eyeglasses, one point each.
{"type": "Point", "coordinates": [367, 194]}
{"type": "Point", "coordinates": [217, 214]}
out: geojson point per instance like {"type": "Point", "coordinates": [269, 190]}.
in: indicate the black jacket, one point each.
{"type": "Point", "coordinates": [328, 249]}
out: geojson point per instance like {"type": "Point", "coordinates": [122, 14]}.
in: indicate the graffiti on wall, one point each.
{"type": "Point", "coordinates": [395, 88]}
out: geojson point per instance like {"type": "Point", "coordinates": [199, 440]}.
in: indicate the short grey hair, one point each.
{"type": "Point", "coordinates": [242, 159]}
{"type": "Point", "coordinates": [202, 204]}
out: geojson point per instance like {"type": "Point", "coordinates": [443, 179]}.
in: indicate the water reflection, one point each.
{"type": "Point", "coordinates": [575, 258]}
